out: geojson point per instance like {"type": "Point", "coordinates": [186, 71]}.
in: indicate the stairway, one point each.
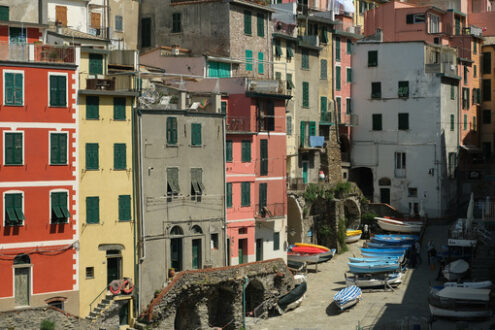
{"type": "Point", "coordinates": [102, 305]}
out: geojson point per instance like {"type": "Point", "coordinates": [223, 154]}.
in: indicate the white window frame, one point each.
{"type": "Point", "coordinates": [50, 204]}
{"type": "Point", "coordinates": [434, 21]}
{"type": "Point", "coordinates": [30, 266]}
{"type": "Point", "coordinates": [50, 148]}
{"type": "Point", "coordinates": [400, 160]}
{"type": "Point", "coordinates": [66, 75]}
{"type": "Point", "coordinates": [23, 87]}
{"type": "Point", "coordinates": [23, 148]}
{"type": "Point", "coordinates": [3, 203]}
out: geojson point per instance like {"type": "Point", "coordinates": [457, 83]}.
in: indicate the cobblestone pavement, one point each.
{"type": "Point", "coordinates": [402, 308]}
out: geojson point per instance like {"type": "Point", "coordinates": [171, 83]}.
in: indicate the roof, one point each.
{"type": "Point", "coordinates": [247, 3]}
{"type": "Point", "coordinates": [71, 33]}
{"type": "Point", "coordinates": [348, 34]}
{"type": "Point", "coordinates": [24, 24]}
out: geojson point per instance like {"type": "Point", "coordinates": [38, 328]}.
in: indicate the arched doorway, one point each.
{"type": "Point", "coordinates": [176, 247]}
{"type": "Point", "coordinates": [196, 247]}
{"type": "Point", "coordinates": [221, 307]}
{"type": "Point", "coordinates": [22, 279]}
{"type": "Point", "coordinates": [255, 295]}
{"type": "Point", "coordinates": [363, 177]}
{"type": "Point", "coordinates": [294, 221]}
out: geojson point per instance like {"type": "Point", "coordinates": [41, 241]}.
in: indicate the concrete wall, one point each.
{"type": "Point", "coordinates": [77, 13]}
{"type": "Point", "coordinates": [159, 213]}
{"type": "Point", "coordinates": [22, 10]}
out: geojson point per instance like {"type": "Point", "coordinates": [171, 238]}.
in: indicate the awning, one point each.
{"type": "Point", "coordinates": [223, 59]}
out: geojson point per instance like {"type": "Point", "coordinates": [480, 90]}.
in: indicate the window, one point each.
{"type": "Point", "coordinates": [349, 75]}
{"type": "Point", "coordinates": [218, 69]}
{"type": "Point", "coordinates": [403, 121]}
{"type": "Point", "coordinates": [302, 133]}
{"type": "Point", "coordinates": [196, 134]}
{"type": "Point", "coordinates": [276, 241]}
{"type": "Point", "coordinates": [262, 202]}
{"type": "Point", "coordinates": [214, 241]}
{"type": "Point", "coordinates": [246, 151]}
{"type": "Point", "coordinates": [119, 108]}
{"type": "Point", "coordinates": [17, 35]}
{"type": "Point", "coordinates": [337, 78]}
{"type": "Point", "coordinates": [58, 148]}
{"type": "Point", "coordinates": [58, 91]}
{"type": "Point", "coordinates": [119, 25]}
{"type": "Point", "coordinates": [339, 109]}
{"type": "Point", "coordinates": [487, 63]}
{"type": "Point", "coordinates": [197, 187]}
{"type": "Point", "coordinates": [260, 24]}
{"type": "Point", "coordinates": [223, 107]}
{"type": "Point", "coordinates": [305, 92]}
{"type": "Point", "coordinates": [312, 128]}
{"type": "Point", "coordinates": [465, 98]}
{"type": "Point", "coordinates": [415, 18]}
{"type": "Point", "coordinates": [452, 122]}
{"type": "Point", "coordinates": [465, 74]}
{"type": "Point", "coordinates": [348, 106]}
{"type": "Point", "coordinates": [176, 23]}
{"type": "Point", "coordinates": [376, 90]}
{"type": "Point", "coordinates": [475, 71]}
{"type": "Point", "coordinates": [323, 69]}
{"type": "Point", "coordinates": [249, 60]}
{"type": "Point", "coordinates": [90, 273]}
{"type": "Point", "coordinates": [475, 47]}
{"type": "Point", "coordinates": [92, 210]}
{"type": "Point", "coordinates": [487, 89]}
{"type": "Point", "coordinates": [92, 157]}
{"type": "Point", "coordinates": [337, 49]}
{"type": "Point", "coordinates": [228, 150]}
{"type": "Point", "coordinates": [323, 108]}
{"type": "Point", "coordinates": [247, 22]}
{"type": "Point", "coordinates": [288, 49]}
{"type": "Point", "coordinates": [245, 194]}
{"type": "Point", "coordinates": [404, 89]}
{"type": "Point", "coordinates": [278, 49]}
{"type": "Point", "coordinates": [452, 92]}
{"type": "Point", "coordinates": [465, 122]}
{"type": "Point", "coordinates": [289, 125]}
{"type": "Point", "coordinates": [305, 59]}
{"type": "Point", "coordinates": [263, 157]}
{"type": "Point", "coordinates": [260, 63]}
{"type": "Point", "coordinates": [60, 212]}
{"type": "Point", "coordinates": [229, 194]}
{"type": "Point", "coordinates": [13, 88]}
{"type": "Point", "coordinates": [278, 75]}
{"type": "Point", "coordinates": [487, 116]}
{"type": "Point", "coordinates": [4, 13]}
{"type": "Point", "coordinates": [95, 64]}
{"type": "Point", "coordinates": [400, 160]}
{"type": "Point", "coordinates": [92, 107]}
{"type": "Point", "coordinates": [452, 164]}
{"type": "Point", "coordinates": [146, 32]}
{"type": "Point", "coordinates": [412, 192]}
{"type": "Point", "coordinates": [474, 123]}
{"type": "Point", "coordinates": [372, 58]}
{"type": "Point", "coordinates": [434, 26]}
{"type": "Point", "coordinates": [13, 148]}
{"type": "Point", "coordinates": [290, 84]}
{"type": "Point", "coordinates": [119, 156]}
{"type": "Point", "coordinates": [349, 46]}
{"type": "Point", "coordinates": [457, 25]}
{"type": "Point", "coordinates": [124, 207]}
{"type": "Point", "coordinates": [171, 130]}
{"type": "Point", "coordinates": [377, 121]}
{"type": "Point", "coordinates": [13, 209]}
{"type": "Point", "coordinates": [173, 188]}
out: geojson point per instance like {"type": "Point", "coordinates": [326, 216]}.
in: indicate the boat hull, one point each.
{"type": "Point", "coordinates": [371, 268]}
{"type": "Point", "coordinates": [347, 304]}
{"type": "Point", "coordinates": [312, 246]}
{"type": "Point", "coordinates": [459, 313]}
{"type": "Point", "coordinates": [292, 296]}
{"type": "Point", "coordinates": [347, 297]}
{"type": "Point", "coordinates": [474, 285]}
{"type": "Point", "coordinates": [311, 259]}
{"type": "Point", "coordinates": [352, 239]}
{"type": "Point", "coordinates": [398, 226]}
{"type": "Point", "coordinates": [373, 281]}
{"type": "Point", "coordinates": [377, 259]}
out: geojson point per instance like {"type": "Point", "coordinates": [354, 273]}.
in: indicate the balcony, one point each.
{"type": "Point", "coordinates": [270, 87]}
{"type": "Point", "coordinates": [448, 69]}
{"type": "Point", "coordinates": [101, 84]}
{"type": "Point", "coordinates": [270, 211]}
{"type": "Point", "coordinates": [239, 124]}
{"type": "Point", "coordinates": [36, 53]}
{"type": "Point", "coordinates": [309, 41]}
{"type": "Point", "coordinates": [326, 118]}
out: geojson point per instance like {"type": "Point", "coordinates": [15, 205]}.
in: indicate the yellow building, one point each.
{"type": "Point", "coordinates": [107, 222]}
{"type": "Point", "coordinates": [488, 98]}
{"type": "Point", "coordinates": [361, 6]}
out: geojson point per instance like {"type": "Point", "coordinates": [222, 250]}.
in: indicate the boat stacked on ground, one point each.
{"type": "Point", "coordinates": [399, 225]}
{"type": "Point", "coordinates": [380, 266]}
{"type": "Point", "coordinates": [455, 270]}
{"type": "Point", "coordinates": [374, 280]}
{"type": "Point", "coordinates": [394, 239]}
{"type": "Point", "coordinates": [309, 253]}
{"type": "Point", "coordinates": [294, 298]}
{"type": "Point", "coordinates": [473, 285]}
{"type": "Point", "coordinates": [352, 235]}
{"type": "Point", "coordinates": [459, 302]}
{"type": "Point", "coordinates": [347, 297]}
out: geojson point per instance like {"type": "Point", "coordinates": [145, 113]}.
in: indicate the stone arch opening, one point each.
{"type": "Point", "coordinates": [255, 295]}
{"type": "Point", "coordinates": [363, 177]}
{"type": "Point", "coordinates": [196, 230]}
{"type": "Point", "coordinates": [294, 221]}
{"type": "Point", "coordinates": [384, 182]}
{"type": "Point", "coordinates": [352, 213]}
{"type": "Point", "coordinates": [221, 307]}
{"type": "Point", "coordinates": [187, 316]}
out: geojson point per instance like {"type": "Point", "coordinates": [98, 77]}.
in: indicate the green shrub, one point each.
{"type": "Point", "coordinates": [368, 218]}
{"type": "Point", "coordinates": [47, 325]}
{"type": "Point", "coordinates": [341, 235]}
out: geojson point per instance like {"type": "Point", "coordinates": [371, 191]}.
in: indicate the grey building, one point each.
{"type": "Point", "coordinates": [181, 181]}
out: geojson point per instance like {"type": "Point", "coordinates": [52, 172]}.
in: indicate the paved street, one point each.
{"type": "Point", "coordinates": [404, 307]}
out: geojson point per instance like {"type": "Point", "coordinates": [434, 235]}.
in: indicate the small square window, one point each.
{"type": "Point", "coordinates": [214, 241]}
{"type": "Point", "coordinates": [412, 192]}
{"type": "Point", "coordinates": [90, 273]}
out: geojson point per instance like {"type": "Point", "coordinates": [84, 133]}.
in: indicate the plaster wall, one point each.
{"type": "Point", "coordinates": [77, 13]}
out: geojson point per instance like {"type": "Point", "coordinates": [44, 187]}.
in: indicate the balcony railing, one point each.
{"type": "Point", "coordinates": [38, 53]}
{"type": "Point", "coordinates": [312, 41]}
{"type": "Point", "coordinates": [239, 124]}
{"type": "Point", "coordinates": [274, 210]}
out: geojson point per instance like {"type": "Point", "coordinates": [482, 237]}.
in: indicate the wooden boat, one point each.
{"type": "Point", "coordinates": [389, 252]}
{"type": "Point", "coordinates": [473, 285]}
{"type": "Point", "coordinates": [295, 265]}
{"type": "Point", "coordinates": [373, 280]}
{"type": "Point", "coordinates": [352, 235]}
{"type": "Point", "coordinates": [312, 245]}
{"type": "Point", "coordinates": [378, 255]}
{"type": "Point", "coordinates": [398, 226]}
{"type": "Point", "coordinates": [373, 267]}
{"type": "Point", "coordinates": [347, 297]}
{"type": "Point", "coordinates": [394, 239]}
{"type": "Point", "coordinates": [460, 303]}
{"type": "Point", "coordinates": [380, 258]}
{"type": "Point", "coordinates": [308, 258]}
{"type": "Point", "coordinates": [375, 245]}
{"type": "Point", "coordinates": [294, 295]}
{"type": "Point", "coordinates": [455, 270]}
{"type": "Point", "coordinates": [352, 232]}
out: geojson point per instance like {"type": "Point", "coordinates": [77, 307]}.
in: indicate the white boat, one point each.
{"type": "Point", "coordinates": [353, 238]}
{"type": "Point", "coordinates": [399, 226]}
{"type": "Point", "coordinates": [308, 258]}
{"type": "Point", "coordinates": [473, 285]}
{"type": "Point", "coordinates": [455, 270]}
{"type": "Point", "coordinates": [460, 303]}
{"type": "Point", "coordinates": [373, 280]}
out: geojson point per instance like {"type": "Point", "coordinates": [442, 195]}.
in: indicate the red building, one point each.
{"type": "Point", "coordinates": [38, 169]}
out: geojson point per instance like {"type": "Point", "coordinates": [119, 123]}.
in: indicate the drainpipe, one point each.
{"type": "Point", "coordinates": [226, 247]}
{"type": "Point", "coordinates": [135, 190]}
{"type": "Point", "coordinates": [244, 285]}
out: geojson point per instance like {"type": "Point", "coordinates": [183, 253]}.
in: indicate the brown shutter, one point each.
{"type": "Point", "coordinates": [61, 15]}
{"type": "Point", "coordinates": [95, 20]}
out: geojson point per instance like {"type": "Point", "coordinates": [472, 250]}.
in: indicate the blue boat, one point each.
{"type": "Point", "coordinates": [395, 239]}
{"type": "Point", "coordinates": [347, 297]}
{"type": "Point", "coordinates": [376, 259]}
{"type": "Point", "coordinates": [380, 255]}
{"type": "Point", "coordinates": [389, 251]}
{"type": "Point", "coordinates": [376, 245]}
{"type": "Point", "coordinates": [373, 267]}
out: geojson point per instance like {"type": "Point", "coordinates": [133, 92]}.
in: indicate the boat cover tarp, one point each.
{"type": "Point", "coordinates": [347, 295]}
{"type": "Point", "coordinates": [459, 266]}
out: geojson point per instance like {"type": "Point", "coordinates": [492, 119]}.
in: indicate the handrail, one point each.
{"type": "Point", "coordinates": [98, 296]}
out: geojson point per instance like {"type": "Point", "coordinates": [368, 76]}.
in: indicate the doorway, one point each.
{"type": "Point", "coordinates": [259, 249]}
{"type": "Point", "coordinates": [385, 195]}
{"type": "Point", "coordinates": [22, 286]}
{"type": "Point", "coordinates": [114, 265]}
{"type": "Point", "coordinates": [196, 254]}
{"type": "Point", "coordinates": [242, 250]}
{"type": "Point", "coordinates": [124, 313]}
{"type": "Point", "coordinates": [176, 253]}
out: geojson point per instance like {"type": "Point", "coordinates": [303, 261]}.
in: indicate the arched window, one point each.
{"type": "Point", "coordinates": [196, 230]}
{"type": "Point", "coordinates": [22, 259]}
{"type": "Point", "coordinates": [176, 230]}
{"type": "Point", "coordinates": [384, 182]}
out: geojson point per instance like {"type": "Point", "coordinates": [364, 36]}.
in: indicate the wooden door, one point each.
{"type": "Point", "coordinates": [61, 15]}
{"type": "Point", "coordinates": [95, 20]}
{"type": "Point", "coordinates": [22, 284]}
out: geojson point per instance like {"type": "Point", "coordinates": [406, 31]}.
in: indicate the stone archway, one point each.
{"type": "Point", "coordinates": [255, 295]}
{"type": "Point", "coordinates": [187, 317]}
{"type": "Point", "coordinates": [221, 307]}
{"type": "Point", "coordinates": [352, 212]}
{"type": "Point", "coordinates": [363, 177]}
{"type": "Point", "coordinates": [294, 221]}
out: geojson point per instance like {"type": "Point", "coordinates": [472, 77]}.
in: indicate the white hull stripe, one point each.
{"type": "Point", "coordinates": [37, 125]}
{"type": "Point", "coordinates": [35, 244]}
{"type": "Point", "coordinates": [263, 178]}
{"type": "Point", "coordinates": [12, 184]}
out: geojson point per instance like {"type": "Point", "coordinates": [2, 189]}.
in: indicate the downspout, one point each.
{"type": "Point", "coordinates": [226, 247]}
{"type": "Point", "coordinates": [137, 275]}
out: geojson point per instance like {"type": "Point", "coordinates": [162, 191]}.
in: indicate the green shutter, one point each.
{"type": "Point", "coordinates": [228, 151]}
{"type": "Point", "coordinates": [213, 69]}
{"type": "Point", "coordinates": [467, 98]}
{"type": "Point", "coordinates": [247, 22]}
{"type": "Point", "coordinates": [260, 63]}
{"type": "Point", "coordinates": [13, 148]}
{"type": "Point", "coordinates": [263, 157]}
{"type": "Point", "coordinates": [11, 216]}
{"type": "Point", "coordinates": [349, 75]}
{"type": "Point", "coordinates": [339, 109]}
{"type": "Point", "coordinates": [18, 88]}
{"type": "Point", "coordinates": [276, 241]}
{"type": "Point", "coordinates": [249, 60]}
{"type": "Point", "coordinates": [245, 194]}
{"type": "Point", "coordinates": [9, 88]}
{"type": "Point", "coordinates": [92, 107]}
{"type": "Point", "coordinates": [289, 51]}
{"type": "Point", "coordinates": [261, 25]}
{"type": "Point", "coordinates": [173, 181]}
{"type": "Point", "coordinates": [119, 156]}
{"type": "Point", "coordinates": [305, 87]}
{"type": "Point", "coordinates": [58, 148]}
{"type": "Point", "coordinates": [262, 196]}
{"type": "Point", "coordinates": [4, 13]}
{"type": "Point", "coordinates": [229, 194]}
{"type": "Point", "coordinates": [92, 156]}
{"type": "Point", "coordinates": [452, 92]}
{"type": "Point", "coordinates": [196, 134]}
{"type": "Point", "coordinates": [95, 64]}
{"type": "Point", "coordinates": [278, 49]}
{"type": "Point", "coordinates": [324, 35]}
{"type": "Point", "coordinates": [124, 207]}
{"type": "Point", "coordinates": [337, 48]}
{"type": "Point", "coordinates": [305, 59]}
{"type": "Point", "coordinates": [452, 122]}
{"type": "Point", "coordinates": [465, 122]}
{"type": "Point", "coordinates": [176, 26]}
{"type": "Point", "coordinates": [290, 84]}
{"type": "Point", "coordinates": [403, 121]}
{"type": "Point", "coordinates": [323, 69]}
{"type": "Point", "coordinates": [246, 151]}
{"type": "Point", "coordinates": [337, 78]}
{"type": "Point", "coordinates": [92, 209]}
{"type": "Point", "coordinates": [349, 46]}
{"type": "Point", "coordinates": [372, 58]}
{"type": "Point", "coordinates": [348, 106]}
{"type": "Point", "coordinates": [377, 122]}
{"type": "Point", "coordinates": [302, 133]}
{"type": "Point", "coordinates": [14, 86]}
{"type": "Point", "coordinates": [171, 130]}
{"type": "Point", "coordinates": [465, 74]}
{"type": "Point", "coordinates": [323, 108]}
{"type": "Point", "coordinates": [312, 128]}
{"type": "Point", "coordinates": [223, 106]}
{"type": "Point", "coordinates": [18, 207]}
{"type": "Point", "coordinates": [119, 108]}
{"type": "Point", "coordinates": [376, 90]}
{"type": "Point", "coordinates": [403, 90]}
{"type": "Point", "coordinates": [58, 90]}
{"type": "Point", "coordinates": [60, 213]}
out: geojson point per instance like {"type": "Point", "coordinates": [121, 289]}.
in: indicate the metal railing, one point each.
{"type": "Point", "coordinates": [97, 300]}
{"type": "Point", "coordinates": [270, 210]}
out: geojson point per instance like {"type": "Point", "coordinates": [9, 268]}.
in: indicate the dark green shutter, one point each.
{"type": "Point", "coordinates": [11, 217]}
{"type": "Point", "coordinates": [260, 63]}
{"type": "Point", "coordinates": [95, 64]}
{"type": "Point", "coordinates": [124, 207]}
{"type": "Point", "coordinates": [372, 58]}
{"type": "Point", "coordinates": [171, 130]}
{"type": "Point", "coordinates": [288, 50]}
{"type": "Point", "coordinates": [403, 121]}
{"type": "Point", "coordinates": [92, 107]}
{"type": "Point", "coordinates": [376, 90]}
{"type": "Point", "coordinates": [303, 133]}
{"type": "Point", "coordinates": [9, 88]}
{"type": "Point", "coordinates": [263, 157]}
{"type": "Point", "coordinates": [58, 148]}
{"type": "Point", "coordinates": [324, 35]}
{"type": "Point", "coordinates": [349, 75]}
{"type": "Point", "coordinates": [452, 120]}
{"type": "Point", "coordinates": [249, 60]}
{"type": "Point", "coordinates": [349, 46]}
{"type": "Point", "coordinates": [305, 59]}
{"type": "Point", "coordinates": [247, 22]}
{"type": "Point", "coordinates": [223, 106]}
{"type": "Point", "coordinates": [261, 25]}
{"type": "Point", "coordinates": [13, 149]}
{"type": "Point", "coordinates": [262, 197]}
{"type": "Point", "coordinates": [337, 78]}
{"type": "Point", "coordinates": [337, 48]}
{"type": "Point", "coordinates": [312, 128]}
{"type": "Point", "coordinates": [54, 101]}
{"type": "Point", "coordinates": [467, 98]}
{"type": "Point", "coordinates": [305, 87]}
{"type": "Point", "coordinates": [245, 194]}
{"type": "Point", "coordinates": [119, 108]}
{"type": "Point", "coordinates": [377, 122]}
{"type": "Point", "coordinates": [452, 92]}
{"type": "Point", "coordinates": [92, 209]}
{"type": "Point", "coordinates": [246, 151]}
{"type": "Point", "coordinates": [403, 90]}
{"type": "Point", "coordinates": [290, 84]}
{"type": "Point", "coordinates": [348, 106]}
{"type": "Point", "coordinates": [92, 156]}
{"type": "Point", "coordinates": [323, 69]}
{"type": "Point", "coordinates": [228, 151]}
{"type": "Point", "coordinates": [18, 207]}
{"type": "Point", "coordinates": [323, 108]}
{"type": "Point", "coordinates": [276, 241]}
{"type": "Point", "coordinates": [14, 88]}
{"type": "Point", "coordinates": [465, 122]}
{"type": "Point", "coordinates": [229, 194]}
{"type": "Point", "coordinates": [18, 88]}
{"type": "Point", "coordinates": [58, 90]}
{"type": "Point", "coordinates": [196, 134]}
{"type": "Point", "coordinates": [4, 13]}
{"type": "Point", "coordinates": [176, 26]}
{"type": "Point", "coordinates": [119, 156]}
{"type": "Point", "coordinates": [339, 109]}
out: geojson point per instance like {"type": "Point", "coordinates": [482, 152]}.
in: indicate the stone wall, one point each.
{"type": "Point", "coordinates": [31, 318]}
{"type": "Point", "coordinates": [334, 156]}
